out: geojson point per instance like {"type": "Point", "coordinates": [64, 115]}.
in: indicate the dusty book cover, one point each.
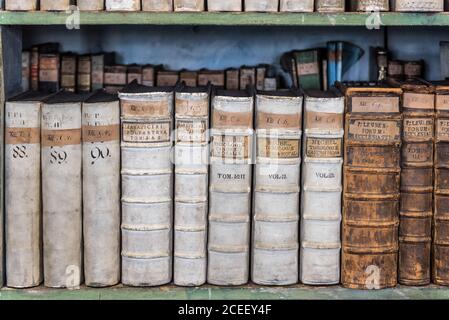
{"type": "Point", "coordinates": [157, 5]}
{"type": "Point", "coordinates": [417, 6]}
{"type": "Point", "coordinates": [90, 5]}
{"type": "Point", "coordinates": [123, 5]}
{"type": "Point", "coordinates": [330, 5]}
{"type": "Point", "coordinates": [220, 5]}
{"type": "Point", "coordinates": [261, 5]}
{"type": "Point", "coordinates": [56, 5]}
{"type": "Point", "coordinates": [21, 5]}
{"type": "Point", "coordinates": [297, 5]}
{"type": "Point", "coordinates": [188, 5]}
{"type": "Point", "coordinates": [370, 5]}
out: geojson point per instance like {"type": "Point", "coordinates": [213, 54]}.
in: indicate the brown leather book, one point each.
{"type": "Point", "coordinates": [114, 78]}
{"type": "Point", "coordinates": [415, 230]}
{"type": "Point", "coordinates": [134, 72]}
{"type": "Point", "coordinates": [214, 77]}
{"type": "Point", "coordinates": [84, 74]}
{"type": "Point", "coordinates": [190, 78]}
{"type": "Point", "coordinates": [68, 72]}
{"type": "Point", "coordinates": [441, 195]}
{"type": "Point", "coordinates": [167, 78]}
{"type": "Point", "coordinates": [232, 79]}
{"type": "Point", "coordinates": [372, 185]}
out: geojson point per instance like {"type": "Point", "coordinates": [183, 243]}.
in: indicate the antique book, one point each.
{"type": "Point", "coordinates": [123, 5]}
{"type": "Point", "coordinates": [261, 5]}
{"type": "Point", "coordinates": [166, 78]}
{"type": "Point", "coordinates": [134, 72]}
{"type": "Point", "coordinates": [22, 190]}
{"type": "Point", "coordinates": [220, 5]}
{"type": "Point", "coordinates": [149, 75]}
{"type": "Point", "coordinates": [49, 72]}
{"type": "Point", "coordinates": [21, 5]}
{"type": "Point", "coordinates": [297, 5]}
{"type": "Point", "coordinates": [56, 5]}
{"type": "Point", "coordinates": [371, 185]}
{"type": "Point", "coordinates": [417, 6]}
{"type": "Point", "coordinates": [415, 229]}
{"type": "Point", "coordinates": [90, 5]}
{"type": "Point", "coordinates": [370, 5]}
{"type": "Point", "coordinates": [190, 78]}
{"type": "Point", "coordinates": [101, 189]}
{"type": "Point", "coordinates": [308, 69]}
{"type": "Point", "coordinates": [214, 77]}
{"type": "Point", "coordinates": [157, 5]}
{"type": "Point", "coordinates": [26, 70]}
{"type": "Point", "coordinates": [191, 185]}
{"type": "Point", "coordinates": [440, 251]}
{"type": "Point", "coordinates": [247, 77]}
{"type": "Point", "coordinates": [232, 79]}
{"type": "Point", "coordinates": [413, 69]}
{"type": "Point", "coordinates": [84, 74]}
{"type": "Point", "coordinates": [114, 78]}
{"type": "Point", "coordinates": [230, 183]}
{"type": "Point", "coordinates": [322, 187]}
{"type": "Point", "coordinates": [270, 84]}
{"type": "Point", "coordinates": [330, 5]}
{"type": "Point", "coordinates": [99, 61]}
{"type": "Point", "coordinates": [395, 69]}
{"type": "Point", "coordinates": [34, 68]}
{"type": "Point", "coordinates": [261, 72]}
{"type": "Point", "coordinates": [68, 72]}
{"type": "Point", "coordinates": [275, 240]}
{"type": "Point", "coordinates": [147, 186]}
{"type": "Point", "coordinates": [189, 5]}
{"type": "Point", "coordinates": [62, 190]}
{"type": "Point", "coordinates": [444, 58]}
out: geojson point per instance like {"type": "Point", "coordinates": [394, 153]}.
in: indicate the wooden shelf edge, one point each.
{"type": "Point", "coordinates": [220, 293]}
{"type": "Point", "coordinates": [224, 18]}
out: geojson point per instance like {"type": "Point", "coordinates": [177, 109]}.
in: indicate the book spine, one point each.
{"type": "Point", "coordinates": [370, 5]}
{"type": "Point", "coordinates": [55, 5]}
{"type": "Point", "coordinates": [191, 191]}
{"type": "Point", "coordinates": [97, 76]}
{"type": "Point", "coordinates": [68, 73]}
{"type": "Point", "coordinates": [49, 72]}
{"type": "Point", "coordinates": [232, 79]}
{"type": "Point", "coordinates": [247, 77]}
{"type": "Point", "coordinates": [331, 63]}
{"type": "Point", "coordinates": [371, 190]}
{"type": "Point", "coordinates": [262, 5]}
{"type": "Point", "coordinates": [297, 5]}
{"type": "Point", "coordinates": [90, 5]}
{"type": "Point", "coordinates": [26, 70]}
{"type": "Point", "coordinates": [123, 5]}
{"type": "Point", "coordinates": [101, 193]}
{"type": "Point", "coordinates": [189, 5]}
{"type": "Point", "coordinates": [22, 194]}
{"type": "Point", "coordinates": [230, 184]}
{"type": "Point", "coordinates": [441, 218]}
{"type": "Point", "coordinates": [330, 5]}
{"type": "Point", "coordinates": [34, 69]}
{"type": "Point", "coordinates": [148, 76]}
{"type": "Point", "coordinates": [308, 70]}
{"type": "Point", "coordinates": [84, 81]}
{"type": "Point", "coordinates": [339, 61]}
{"type": "Point", "coordinates": [415, 231]}
{"type": "Point", "coordinates": [157, 5]}
{"type": "Point", "coordinates": [418, 6]}
{"type": "Point", "coordinates": [220, 5]}
{"type": "Point", "coordinates": [147, 188]}
{"type": "Point", "coordinates": [21, 5]}
{"type": "Point", "coordinates": [61, 194]}
{"type": "Point", "coordinates": [114, 78]}
{"type": "Point", "coordinates": [322, 191]}
{"type": "Point", "coordinates": [276, 191]}
{"type": "Point", "coordinates": [260, 78]}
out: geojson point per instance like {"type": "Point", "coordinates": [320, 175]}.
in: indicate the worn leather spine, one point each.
{"type": "Point", "coordinates": [157, 5]}
{"type": "Point", "coordinates": [26, 70]}
{"type": "Point", "coordinates": [191, 186]}
{"type": "Point", "coordinates": [440, 261]}
{"type": "Point", "coordinates": [62, 191]}
{"type": "Point", "coordinates": [371, 186]}
{"type": "Point", "coordinates": [123, 5]}
{"type": "Point", "coordinates": [417, 6]}
{"type": "Point", "coordinates": [147, 185]}
{"type": "Point", "coordinates": [322, 188]}
{"type": "Point", "coordinates": [22, 191]}
{"type": "Point", "coordinates": [101, 190]}
{"type": "Point", "coordinates": [90, 5]}
{"type": "Point", "coordinates": [230, 188]}
{"type": "Point", "coordinates": [188, 5]}
{"type": "Point", "coordinates": [330, 5]}
{"type": "Point", "coordinates": [297, 5]}
{"type": "Point", "coordinates": [21, 5]}
{"type": "Point", "coordinates": [275, 241]}
{"type": "Point", "coordinates": [220, 5]}
{"type": "Point", "coordinates": [415, 231]}
{"type": "Point", "coordinates": [55, 5]}
{"type": "Point", "coordinates": [262, 5]}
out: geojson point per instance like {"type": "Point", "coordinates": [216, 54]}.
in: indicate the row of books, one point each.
{"type": "Point", "coordinates": [196, 185]}
{"type": "Point", "coordinates": [47, 70]}
{"type": "Point", "coordinates": [231, 5]}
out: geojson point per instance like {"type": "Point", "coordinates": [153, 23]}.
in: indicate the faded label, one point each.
{"type": "Point", "coordinates": [374, 130]}
{"type": "Point", "coordinates": [323, 120]}
{"type": "Point", "coordinates": [232, 119]}
{"type": "Point", "coordinates": [153, 132]}
{"type": "Point", "coordinates": [442, 102]}
{"type": "Point", "coordinates": [22, 135]}
{"type": "Point", "coordinates": [419, 101]}
{"type": "Point", "coordinates": [49, 75]}
{"type": "Point", "coordinates": [324, 148]}
{"type": "Point", "coordinates": [145, 108]}
{"type": "Point", "coordinates": [231, 147]}
{"type": "Point", "coordinates": [101, 133]}
{"type": "Point", "coordinates": [278, 148]}
{"type": "Point", "coordinates": [305, 69]}
{"type": "Point", "coordinates": [442, 130]}
{"type": "Point", "coordinates": [417, 152]}
{"type": "Point", "coordinates": [375, 104]}
{"type": "Point", "coordinates": [193, 108]}
{"type": "Point", "coordinates": [191, 131]}
{"type": "Point", "coordinates": [418, 128]}
{"type": "Point", "coordinates": [60, 138]}
{"type": "Point", "coordinates": [277, 121]}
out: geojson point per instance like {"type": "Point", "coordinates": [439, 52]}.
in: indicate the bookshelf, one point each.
{"type": "Point", "coordinates": [224, 19]}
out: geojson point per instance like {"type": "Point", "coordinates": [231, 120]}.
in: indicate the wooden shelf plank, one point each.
{"type": "Point", "coordinates": [225, 18]}
{"type": "Point", "coordinates": [216, 293]}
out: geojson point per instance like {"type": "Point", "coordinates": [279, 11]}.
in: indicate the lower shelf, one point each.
{"type": "Point", "coordinates": [220, 293]}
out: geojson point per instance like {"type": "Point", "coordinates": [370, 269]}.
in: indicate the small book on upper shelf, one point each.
{"type": "Point", "coordinates": [90, 5]}
{"type": "Point", "coordinates": [56, 5]}
{"type": "Point", "coordinates": [370, 5]}
{"type": "Point", "coordinates": [157, 5]}
{"type": "Point", "coordinates": [297, 5]}
{"type": "Point", "coordinates": [123, 5]}
{"type": "Point", "coordinates": [21, 5]}
{"type": "Point", "coordinates": [417, 6]}
{"type": "Point", "coordinates": [188, 5]}
{"type": "Point", "coordinates": [261, 5]}
{"type": "Point", "coordinates": [220, 5]}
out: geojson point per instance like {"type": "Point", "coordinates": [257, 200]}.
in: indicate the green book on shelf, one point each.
{"type": "Point", "coordinates": [308, 68]}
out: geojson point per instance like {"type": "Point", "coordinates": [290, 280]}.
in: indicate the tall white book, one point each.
{"type": "Point", "coordinates": [230, 187]}
{"type": "Point", "coordinates": [62, 190]}
{"type": "Point", "coordinates": [23, 190]}
{"type": "Point", "coordinates": [191, 185]}
{"type": "Point", "coordinates": [322, 188]}
{"type": "Point", "coordinates": [101, 189]}
{"type": "Point", "coordinates": [276, 188]}
{"type": "Point", "coordinates": [147, 185]}
{"type": "Point", "coordinates": [123, 5]}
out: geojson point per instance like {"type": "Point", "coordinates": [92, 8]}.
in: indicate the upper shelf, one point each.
{"type": "Point", "coordinates": [226, 19]}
